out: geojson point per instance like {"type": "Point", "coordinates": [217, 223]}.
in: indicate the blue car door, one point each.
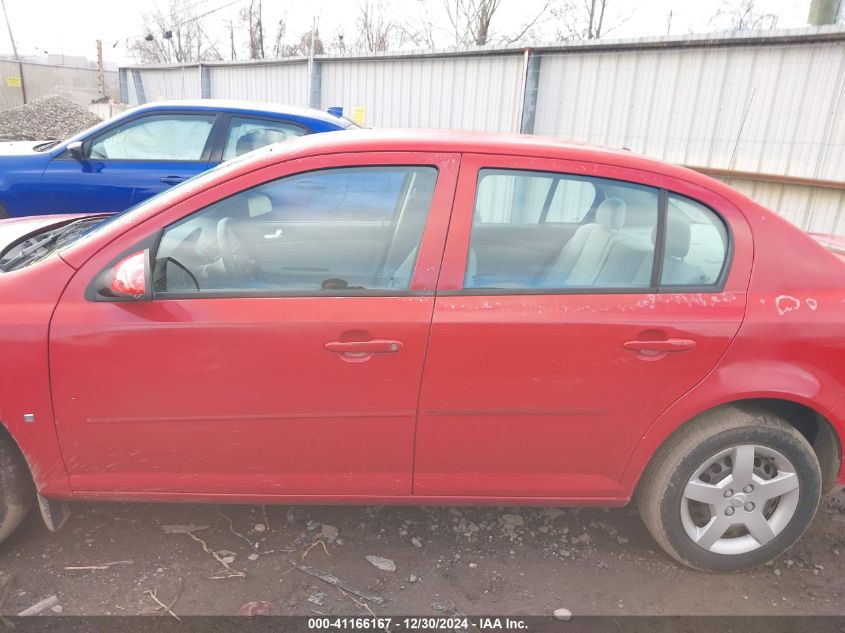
{"type": "Point", "coordinates": [128, 163]}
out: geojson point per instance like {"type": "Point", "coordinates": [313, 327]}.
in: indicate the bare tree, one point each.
{"type": "Point", "coordinates": [377, 31]}
{"type": "Point", "coordinates": [470, 20]}
{"type": "Point", "coordinates": [174, 35]}
{"type": "Point", "coordinates": [584, 19]}
{"type": "Point", "coordinates": [309, 44]}
{"type": "Point", "coordinates": [251, 17]}
{"type": "Point", "coordinates": [742, 15]}
{"type": "Point", "coordinates": [280, 49]}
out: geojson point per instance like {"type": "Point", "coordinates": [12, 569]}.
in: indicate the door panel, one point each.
{"type": "Point", "coordinates": [69, 185]}
{"type": "Point", "coordinates": [244, 394]}
{"type": "Point", "coordinates": [537, 395]}
{"type": "Point", "coordinates": [540, 393]}
{"type": "Point", "coordinates": [238, 396]}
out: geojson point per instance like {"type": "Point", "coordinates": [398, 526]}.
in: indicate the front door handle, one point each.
{"type": "Point", "coordinates": [173, 180]}
{"type": "Point", "coordinates": [664, 345]}
{"type": "Point", "coordinates": [373, 346]}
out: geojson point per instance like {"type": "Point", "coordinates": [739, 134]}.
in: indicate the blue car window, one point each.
{"type": "Point", "coordinates": [246, 135]}
{"type": "Point", "coordinates": [158, 137]}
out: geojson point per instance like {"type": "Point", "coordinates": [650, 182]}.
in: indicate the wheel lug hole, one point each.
{"type": "Point", "coordinates": [748, 488]}
{"type": "Point", "coordinates": [729, 493]}
{"type": "Point", "coordinates": [729, 511]}
{"type": "Point", "coordinates": [749, 507]}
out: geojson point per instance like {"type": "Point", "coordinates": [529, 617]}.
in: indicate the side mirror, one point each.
{"type": "Point", "coordinates": [128, 280]}
{"type": "Point", "coordinates": [77, 150]}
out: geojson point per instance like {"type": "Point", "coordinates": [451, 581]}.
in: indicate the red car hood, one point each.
{"type": "Point", "coordinates": [13, 229]}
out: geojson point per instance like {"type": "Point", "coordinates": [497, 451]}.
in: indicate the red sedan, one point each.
{"type": "Point", "coordinates": [402, 317]}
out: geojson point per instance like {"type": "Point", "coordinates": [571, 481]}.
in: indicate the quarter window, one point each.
{"type": "Point", "coordinates": [247, 134]}
{"type": "Point", "coordinates": [559, 231]}
{"type": "Point", "coordinates": [157, 137]}
{"type": "Point", "coordinates": [696, 244]}
{"type": "Point", "coordinates": [323, 232]}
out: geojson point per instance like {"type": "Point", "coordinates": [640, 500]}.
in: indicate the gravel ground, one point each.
{"type": "Point", "coordinates": [50, 117]}
{"type": "Point", "coordinates": [475, 561]}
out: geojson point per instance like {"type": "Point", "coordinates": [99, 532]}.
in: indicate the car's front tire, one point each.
{"type": "Point", "coordinates": [16, 489]}
{"type": "Point", "coordinates": [731, 490]}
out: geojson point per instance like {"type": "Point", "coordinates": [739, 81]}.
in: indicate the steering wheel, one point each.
{"type": "Point", "coordinates": [238, 265]}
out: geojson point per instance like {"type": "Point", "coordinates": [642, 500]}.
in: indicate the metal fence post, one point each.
{"type": "Point", "coordinates": [315, 81]}
{"type": "Point", "coordinates": [205, 81]}
{"type": "Point", "coordinates": [139, 86]}
{"type": "Point", "coordinates": [124, 85]}
{"type": "Point", "coordinates": [529, 94]}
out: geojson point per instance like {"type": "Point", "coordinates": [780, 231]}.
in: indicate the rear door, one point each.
{"type": "Point", "coordinates": [539, 382]}
{"type": "Point", "coordinates": [283, 349]}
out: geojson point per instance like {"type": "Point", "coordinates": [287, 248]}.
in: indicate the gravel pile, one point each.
{"type": "Point", "coordinates": [50, 117]}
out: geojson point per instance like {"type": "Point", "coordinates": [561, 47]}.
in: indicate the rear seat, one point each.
{"type": "Point", "coordinates": [583, 257]}
{"type": "Point", "coordinates": [629, 260]}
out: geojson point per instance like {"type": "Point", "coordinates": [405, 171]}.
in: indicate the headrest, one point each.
{"type": "Point", "coordinates": [259, 204]}
{"type": "Point", "coordinates": [254, 140]}
{"type": "Point", "coordinates": [678, 236]}
{"type": "Point", "coordinates": [611, 213]}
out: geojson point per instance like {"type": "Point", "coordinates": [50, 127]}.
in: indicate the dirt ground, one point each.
{"type": "Point", "coordinates": [475, 561]}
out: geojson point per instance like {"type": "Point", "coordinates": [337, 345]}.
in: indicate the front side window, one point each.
{"type": "Point", "coordinates": [246, 135]}
{"type": "Point", "coordinates": [328, 231]}
{"type": "Point", "coordinates": [560, 231]}
{"type": "Point", "coordinates": [696, 244]}
{"type": "Point", "coordinates": [160, 137]}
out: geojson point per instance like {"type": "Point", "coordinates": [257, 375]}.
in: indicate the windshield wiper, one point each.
{"type": "Point", "coordinates": [43, 147]}
{"type": "Point", "coordinates": [50, 239]}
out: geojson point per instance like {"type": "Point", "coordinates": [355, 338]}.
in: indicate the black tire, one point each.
{"type": "Point", "coordinates": [660, 493]}
{"type": "Point", "coordinates": [16, 488]}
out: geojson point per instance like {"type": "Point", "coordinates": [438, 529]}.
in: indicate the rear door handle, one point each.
{"type": "Point", "coordinates": [664, 345]}
{"type": "Point", "coordinates": [173, 180]}
{"type": "Point", "coordinates": [374, 346]}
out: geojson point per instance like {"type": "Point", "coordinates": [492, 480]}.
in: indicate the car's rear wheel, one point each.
{"type": "Point", "coordinates": [16, 489]}
{"type": "Point", "coordinates": [731, 490]}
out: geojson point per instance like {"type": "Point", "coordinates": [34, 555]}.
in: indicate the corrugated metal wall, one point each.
{"type": "Point", "coordinates": [469, 93]}
{"type": "Point", "coordinates": [279, 83]}
{"type": "Point", "coordinates": [164, 84]}
{"type": "Point", "coordinates": [776, 110]}
{"type": "Point", "coordinates": [771, 104]}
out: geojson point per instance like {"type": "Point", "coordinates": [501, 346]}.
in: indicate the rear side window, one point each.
{"type": "Point", "coordinates": [696, 244]}
{"type": "Point", "coordinates": [322, 232]}
{"type": "Point", "coordinates": [525, 197]}
{"type": "Point", "coordinates": [246, 134]}
{"type": "Point", "coordinates": [559, 231]}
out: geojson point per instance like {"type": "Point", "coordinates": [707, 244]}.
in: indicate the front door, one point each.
{"type": "Point", "coordinates": [128, 163]}
{"type": "Point", "coordinates": [283, 349]}
{"type": "Point", "coordinates": [549, 358]}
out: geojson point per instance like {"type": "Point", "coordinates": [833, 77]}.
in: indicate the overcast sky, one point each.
{"type": "Point", "coordinates": [71, 27]}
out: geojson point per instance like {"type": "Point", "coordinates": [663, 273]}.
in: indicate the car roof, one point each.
{"type": "Point", "coordinates": [246, 107]}
{"type": "Point", "coordinates": [462, 142]}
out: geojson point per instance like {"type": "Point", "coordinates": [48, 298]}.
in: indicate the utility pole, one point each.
{"type": "Point", "coordinates": [101, 75]}
{"type": "Point", "coordinates": [14, 49]}
{"type": "Point", "coordinates": [232, 40]}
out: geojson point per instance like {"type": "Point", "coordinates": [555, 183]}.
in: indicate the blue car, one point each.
{"type": "Point", "coordinates": [129, 158]}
